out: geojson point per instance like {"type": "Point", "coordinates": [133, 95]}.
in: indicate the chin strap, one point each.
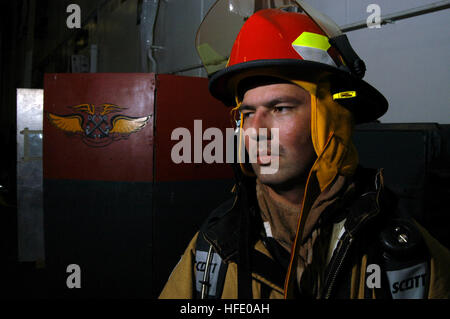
{"type": "Point", "coordinates": [244, 274]}
{"type": "Point", "coordinates": [239, 128]}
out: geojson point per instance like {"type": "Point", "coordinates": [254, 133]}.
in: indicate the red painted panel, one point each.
{"type": "Point", "coordinates": [179, 101]}
{"type": "Point", "coordinates": [98, 126]}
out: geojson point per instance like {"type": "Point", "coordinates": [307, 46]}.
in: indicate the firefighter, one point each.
{"type": "Point", "coordinates": [320, 226]}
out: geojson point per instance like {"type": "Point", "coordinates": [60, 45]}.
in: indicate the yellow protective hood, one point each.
{"type": "Point", "coordinates": [331, 134]}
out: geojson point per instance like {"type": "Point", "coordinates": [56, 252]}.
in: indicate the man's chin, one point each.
{"type": "Point", "coordinates": [280, 179]}
{"type": "Point", "coordinates": [269, 178]}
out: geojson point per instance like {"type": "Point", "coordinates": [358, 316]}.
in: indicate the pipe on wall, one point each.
{"type": "Point", "coordinates": [149, 13]}
{"type": "Point", "coordinates": [410, 13]}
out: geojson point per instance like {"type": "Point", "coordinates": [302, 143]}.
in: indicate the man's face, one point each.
{"type": "Point", "coordinates": [287, 107]}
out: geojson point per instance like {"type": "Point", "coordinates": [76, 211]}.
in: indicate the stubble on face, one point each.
{"type": "Point", "coordinates": [287, 107]}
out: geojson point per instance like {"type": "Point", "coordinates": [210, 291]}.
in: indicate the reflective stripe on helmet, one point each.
{"type": "Point", "coordinates": [313, 47]}
{"type": "Point", "coordinates": [313, 40]}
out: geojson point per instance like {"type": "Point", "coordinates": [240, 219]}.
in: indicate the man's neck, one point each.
{"type": "Point", "coordinates": [293, 196]}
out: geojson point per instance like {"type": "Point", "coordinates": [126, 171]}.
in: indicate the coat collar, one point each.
{"type": "Point", "coordinates": [222, 228]}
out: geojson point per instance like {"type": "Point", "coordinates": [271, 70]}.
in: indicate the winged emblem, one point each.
{"type": "Point", "coordinates": [95, 127]}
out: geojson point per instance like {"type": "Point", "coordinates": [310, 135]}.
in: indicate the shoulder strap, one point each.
{"type": "Point", "coordinates": [210, 270]}
{"type": "Point", "coordinates": [268, 268]}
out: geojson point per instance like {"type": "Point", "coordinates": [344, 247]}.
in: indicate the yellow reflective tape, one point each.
{"type": "Point", "coordinates": [313, 40]}
{"type": "Point", "coordinates": [344, 95]}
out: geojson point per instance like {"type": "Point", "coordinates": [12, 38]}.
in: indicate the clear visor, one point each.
{"type": "Point", "coordinates": [221, 25]}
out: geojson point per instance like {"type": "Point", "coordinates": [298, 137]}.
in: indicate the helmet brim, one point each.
{"type": "Point", "coordinates": [369, 105]}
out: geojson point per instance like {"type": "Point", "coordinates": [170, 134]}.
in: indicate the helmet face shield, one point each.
{"type": "Point", "coordinates": [248, 7]}
{"type": "Point", "coordinates": [220, 27]}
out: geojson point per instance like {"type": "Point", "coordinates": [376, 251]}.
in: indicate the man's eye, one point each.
{"type": "Point", "coordinates": [247, 114]}
{"type": "Point", "coordinates": [281, 109]}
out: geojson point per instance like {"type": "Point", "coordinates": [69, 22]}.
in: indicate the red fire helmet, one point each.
{"type": "Point", "coordinates": [280, 43]}
{"type": "Point", "coordinates": [272, 34]}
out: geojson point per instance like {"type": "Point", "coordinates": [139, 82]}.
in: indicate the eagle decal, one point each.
{"type": "Point", "coordinates": [95, 127]}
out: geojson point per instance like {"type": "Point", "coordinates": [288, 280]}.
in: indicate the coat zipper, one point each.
{"type": "Point", "coordinates": [340, 257]}
{"type": "Point", "coordinates": [339, 260]}
{"type": "Point", "coordinates": [341, 254]}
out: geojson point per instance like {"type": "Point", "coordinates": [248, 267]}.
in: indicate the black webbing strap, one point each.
{"type": "Point", "coordinates": [244, 270]}
{"type": "Point", "coordinates": [268, 268]}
